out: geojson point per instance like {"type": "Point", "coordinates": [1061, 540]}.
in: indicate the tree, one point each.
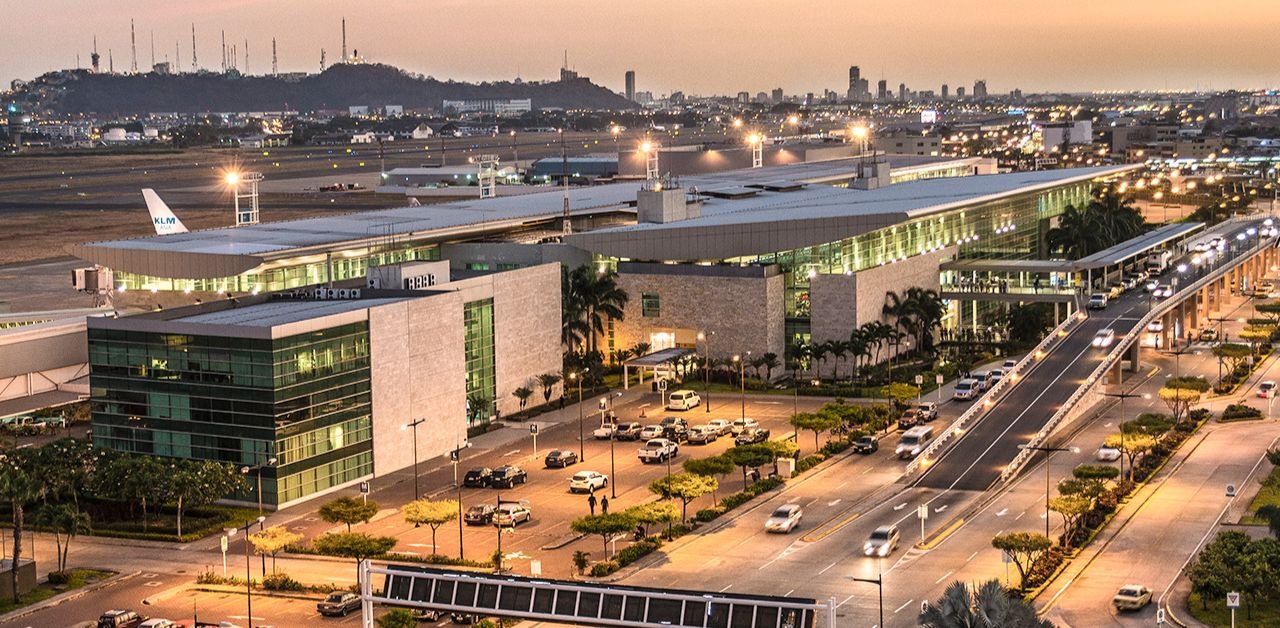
{"type": "Point", "coordinates": [1180, 393]}
{"type": "Point", "coordinates": [17, 487]}
{"type": "Point", "coordinates": [712, 466]}
{"type": "Point", "coordinates": [272, 541]}
{"type": "Point", "coordinates": [749, 456]}
{"type": "Point", "coordinates": [548, 382]}
{"type": "Point", "coordinates": [683, 486]}
{"type": "Point", "coordinates": [348, 510]}
{"type": "Point", "coordinates": [1092, 478]}
{"type": "Point", "coordinates": [66, 522]}
{"type": "Point", "coordinates": [397, 618]}
{"type": "Point", "coordinates": [523, 393]}
{"type": "Point", "coordinates": [591, 297]}
{"type": "Point", "coordinates": [769, 361]}
{"type": "Point", "coordinates": [1211, 572]}
{"type": "Point", "coordinates": [193, 483]}
{"type": "Point", "coordinates": [988, 605]}
{"type": "Point", "coordinates": [1029, 322]}
{"type": "Point", "coordinates": [1148, 423]}
{"type": "Point", "coordinates": [816, 422]}
{"type": "Point", "coordinates": [432, 513]}
{"type": "Point", "coordinates": [899, 393]}
{"type": "Point", "coordinates": [605, 524]}
{"type": "Point", "coordinates": [1271, 514]}
{"type": "Point", "coordinates": [1271, 309]}
{"type": "Point", "coordinates": [1023, 549]}
{"type": "Point", "coordinates": [357, 545]}
{"type": "Point", "coordinates": [580, 561]}
{"type": "Point", "coordinates": [1233, 355]}
{"type": "Point", "coordinates": [653, 513]}
{"type": "Point", "coordinates": [133, 480]}
{"type": "Point", "coordinates": [1072, 508]}
{"type": "Point", "coordinates": [1131, 446]}
{"type": "Point", "coordinates": [779, 449]}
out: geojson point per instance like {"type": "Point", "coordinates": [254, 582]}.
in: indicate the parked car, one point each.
{"type": "Point", "coordinates": [1131, 597]}
{"type": "Point", "coordinates": [982, 380]}
{"type": "Point", "coordinates": [722, 426]}
{"type": "Point", "coordinates": [477, 478]}
{"type": "Point", "coordinates": [512, 515]}
{"type": "Point", "coordinates": [1208, 335]}
{"type": "Point", "coordinates": [1097, 301]}
{"type": "Point", "coordinates": [683, 400]}
{"type": "Point", "coordinates": [909, 419]}
{"type": "Point", "coordinates": [587, 481]}
{"type": "Point", "coordinates": [159, 622]}
{"type": "Point", "coordinates": [1107, 454]}
{"type": "Point", "coordinates": [741, 425]}
{"type": "Point", "coordinates": [1267, 389]}
{"type": "Point", "coordinates": [676, 432]}
{"type": "Point", "coordinates": [1009, 365]}
{"type": "Point", "coordinates": [479, 515]}
{"type": "Point", "coordinates": [651, 431]}
{"type": "Point", "coordinates": [508, 476]}
{"type": "Point", "coordinates": [628, 431]}
{"type": "Point", "coordinates": [928, 410]}
{"type": "Point", "coordinates": [121, 619]}
{"type": "Point", "coordinates": [784, 519]}
{"type": "Point", "coordinates": [966, 390]}
{"type": "Point", "coordinates": [703, 434]}
{"type": "Point", "coordinates": [604, 432]}
{"type": "Point", "coordinates": [1104, 337]}
{"type": "Point", "coordinates": [882, 541]}
{"type": "Point", "coordinates": [1115, 289]}
{"type": "Point", "coordinates": [752, 436]}
{"type": "Point", "coordinates": [339, 604]}
{"type": "Point", "coordinates": [560, 458]}
{"type": "Point", "coordinates": [657, 450]}
{"type": "Point", "coordinates": [671, 421]}
{"type": "Point", "coordinates": [1264, 289]}
{"type": "Point", "coordinates": [866, 444]}
{"type": "Point", "coordinates": [994, 377]}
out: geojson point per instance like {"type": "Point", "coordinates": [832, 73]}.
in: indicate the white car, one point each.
{"type": "Point", "coordinates": [604, 432]}
{"type": "Point", "coordinates": [1009, 365]}
{"type": "Point", "coordinates": [1104, 337]}
{"type": "Point", "coordinates": [966, 389]}
{"type": "Point", "coordinates": [650, 431]}
{"type": "Point", "coordinates": [721, 426]}
{"type": "Point", "coordinates": [882, 542]}
{"type": "Point", "coordinates": [1267, 389]}
{"type": "Point", "coordinates": [1162, 291]}
{"type": "Point", "coordinates": [742, 425]}
{"type": "Point", "coordinates": [784, 519]}
{"type": "Point", "coordinates": [159, 622]}
{"type": "Point", "coordinates": [587, 481]}
{"type": "Point", "coordinates": [996, 375]}
{"type": "Point", "coordinates": [1107, 454]}
{"type": "Point", "coordinates": [683, 400]}
{"type": "Point", "coordinates": [1155, 327]}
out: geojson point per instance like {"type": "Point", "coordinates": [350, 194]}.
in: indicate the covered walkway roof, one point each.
{"type": "Point", "coordinates": [1137, 246]}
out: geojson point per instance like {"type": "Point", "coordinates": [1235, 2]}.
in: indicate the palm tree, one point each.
{"type": "Point", "coordinates": [858, 348]}
{"type": "Point", "coordinates": [798, 356]}
{"type": "Point", "coordinates": [1078, 234]}
{"type": "Point", "coordinates": [927, 310]}
{"type": "Point", "coordinates": [17, 487]}
{"type": "Point", "coordinates": [769, 361]}
{"type": "Point", "coordinates": [987, 606]}
{"type": "Point", "coordinates": [602, 299]}
{"type": "Point", "coordinates": [820, 351]}
{"type": "Point", "coordinates": [573, 328]}
{"type": "Point", "coordinates": [840, 350]}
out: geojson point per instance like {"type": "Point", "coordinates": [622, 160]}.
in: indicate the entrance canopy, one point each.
{"type": "Point", "coordinates": [660, 361]}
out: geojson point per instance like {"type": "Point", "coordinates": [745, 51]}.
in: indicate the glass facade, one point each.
{"type": "Point", "coordinates": [303, 399]}
{"type": "Point", "coordinates": [477, 319]}
{"type": "Point", "coordinates": [286, 274]}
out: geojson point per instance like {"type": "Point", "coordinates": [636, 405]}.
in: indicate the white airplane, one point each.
{"type": "Point", "coordinates": [162, 217]}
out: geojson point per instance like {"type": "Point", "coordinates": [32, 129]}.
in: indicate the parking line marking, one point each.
{"type": "Point", "coordinates": [726, 588]}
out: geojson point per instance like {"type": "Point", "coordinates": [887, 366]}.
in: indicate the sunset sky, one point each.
{"type": "Point", "coordinates": [700, 46]}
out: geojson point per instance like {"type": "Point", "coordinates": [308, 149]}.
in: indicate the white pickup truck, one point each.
{"type": "Point", "coordinates": [658, 450]}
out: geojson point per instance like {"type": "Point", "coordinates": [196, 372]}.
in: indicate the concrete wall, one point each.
{"type": "Point", "coordinates": [678, 162]}
{"type": "Point", "coordinates": [459, 255]}
{"type": "Point", "coordinates": [743, 306]}
{"type": "Point", "coordinates": [526, 320]}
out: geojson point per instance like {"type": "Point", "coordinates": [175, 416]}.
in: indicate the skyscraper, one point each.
{"type": "Point", "coordinates": [777, 95]}
{"type": "Point", "coordinates": [855, 75]}
{"type": "Point", "coordinates": [980, 89]}
{"type": "Point", "coordinates": [631, 85]}
{"type": "Point", "coordinates": [946, 91]}
{"type": "Point", "coordinates": [959, 93]}
{"type": "Point", "coordinates": [902, 92]}
{"type": "Point", "coordinates": [882, 90]}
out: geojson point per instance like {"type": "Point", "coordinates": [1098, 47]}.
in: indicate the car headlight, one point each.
{"type": "Point", "coordinates": [868, 549]}
{"type": "Point", "coordinates": [884, 549]}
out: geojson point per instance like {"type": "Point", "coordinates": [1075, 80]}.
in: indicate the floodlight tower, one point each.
{"type": "Point", "coordinates": [248, 215]}
{"type": "Point", "coordinates": [757, 150]}
{"type": "Point", "coordinates": [650, 150]}
{"type": "Point", "coordinates": [488, 176]}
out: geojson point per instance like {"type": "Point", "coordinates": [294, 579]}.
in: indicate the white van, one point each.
{"type": "Point", "coordinates": [914, 441]}
{"type": "Point", "coordinates": [683, 400]}
{"type": "Point", "coordinates": [966, 389]}
{"type": "Point", "coordinates": [983, 379]}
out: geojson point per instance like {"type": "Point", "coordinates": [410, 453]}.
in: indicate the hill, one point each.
{"type": "Point", "coordinates": [75, 92]}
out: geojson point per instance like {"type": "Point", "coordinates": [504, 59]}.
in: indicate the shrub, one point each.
{"type": "Point", "coordinates": [809, 462]}
{"type": "Point", "coordinates": [58, 577]}
{"type": "Point", "coordinates": [1044, 566]}
{"type": "Point", "coordinates": [602, 569]}
{"type": "Point", "coordinates": [675, 532]}
{"type": "Point", "coordinates": [280, 581]}
{"type": "Point", "coordinates": [1240, 412]}
{"type": "Point", "coordinates": [634, 552]}
{"type": "Point", "coordinates": [708, 514]}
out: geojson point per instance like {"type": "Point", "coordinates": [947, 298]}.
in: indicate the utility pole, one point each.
{"type": "Point", "coordinates": [224, 52]}
{"type": "Point", "coordinates": [275, 68]}
{"type": "Point", "coordinates": [133, 47]}
{"type": "Point", "coordinates": [153, 49]}
{"type": "Point", "coordinates": [564, 174]}
{"type": "Point", "coordinates": [344, 40]}
{"type": "Point", "coordinates": [194, 68]}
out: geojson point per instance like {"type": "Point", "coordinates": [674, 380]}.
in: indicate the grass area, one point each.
{"type": "Point", "coordinates": [1265, 613]}
{"type": "Point", "coordinates": [76, 578]}
{"type": "Point", "coordinates": [1269, 494]}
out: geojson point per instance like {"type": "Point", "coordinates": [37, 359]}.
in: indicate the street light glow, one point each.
{"type": "Point", "coordinates": [232, 178]}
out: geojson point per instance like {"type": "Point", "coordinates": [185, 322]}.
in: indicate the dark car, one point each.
{"type": "Point", "coordinates": [628, 431]}
{"type": "Point", "coordinates": [673, 420]}
{"type": "Point", "coordinates": [478, 515]}
{"type": "Point", "coordinates": [560, 458]}
{"type": "Point", "coordinates": [909, 419]}
{"type": "Point", "coordinates": [461, 618]}
{"type": "Point", "coordinates": [508, 476]}
{"type": "Point", "coordinates": [123, 619]}
{"type": "Point", "coordinates": [866, 445]}
{"type": "Point", "coordinates": [339, 604]}
{"type": "Point", "coordinates": [478, 478]}
{"type": "Point", "coordinates": [752, 436]}
{"type": "Point", "coordinates": [676, 433]}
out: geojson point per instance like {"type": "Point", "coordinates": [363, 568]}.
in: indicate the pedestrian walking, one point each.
{"type": "Point", "coordinates": [591, 503]}
{"type": "Point", "coordinates": [604, 505]}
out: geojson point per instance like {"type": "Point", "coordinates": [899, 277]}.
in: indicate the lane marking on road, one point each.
{"type": "Point", "coordinates": [1044, 515]}
{"type": "Point", "coordinates": [971, 557]}
{"type": "Point", "coordinates": [1020, 515]}
{"type": "Point", "coordinates": [904, 605]}
{"type": "Point", "coordinates": [834, 502]}
{"type": "Point", "coordinates": [726, 588]}
{"type": "Point", "coordinates": [512, 452]}
{"type": "Point", "coordinates": [846, 600]}
{"type": "Point", "coordinates": [900, 506]}
{"type": "Point", "coordinates": [769, 403]}
{"type": "Point", "coordinates": [788, 593]}
{"type": "Point", "coordinates": [944, 577]}
{"type": "Point", "coordinates": [944, 535]}
{"type": "Point", "coordinates": [818, 535]}
{"type": "Point", "coordinates": [941, 508]}
{"type": "Point", "coordinates": [1003, 512]}
{"type": "Point", "coordinates": [842, 486]}
{"type": "Point", "coordinates": [824, 569]}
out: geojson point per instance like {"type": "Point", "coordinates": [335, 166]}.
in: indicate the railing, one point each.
{"type": "Point", "coordinates": [985, 402]}
{"type": "Point", "coordinates": [1115, 356]}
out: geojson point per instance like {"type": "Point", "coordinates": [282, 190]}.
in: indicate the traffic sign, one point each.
{"type": "Point", "coordinates": [1231, 490]}
{"type": "Point", "coordinates": [535, 568]}
{"type": "Point", "coordinates": [662, 384]}
{"type": "Point", "coordinates": [533, 428]}
{"type": "Point", "coordinates": [453, 456]}
{"type": "Point", "coordinates": [1006, 557]}
{"type": "Point", "coordinates": [919, 379]}
{"type": "Point", "coordinates": [364, 487]}
{"type": "Point", "coordinates": [1233, 599]}
{"type": "Point", "coordinates": [923, 511]}
{"type": "Point", "coordinates": [1159, 616]}
{"type": "Point", "coordinates": [223, 543]}
{"type": "Point", "coordinates": [937, 379]}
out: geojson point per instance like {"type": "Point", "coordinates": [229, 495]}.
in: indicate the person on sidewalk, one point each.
{"type": "Point", "coordinates": [591, 503]}
{"type": "Point", "coordinates": [604, 505]}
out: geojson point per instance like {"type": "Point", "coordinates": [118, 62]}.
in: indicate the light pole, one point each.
{"type": "Point", "coordinates": [248, 582]}
{"type": "Point", "coordinates": [742, 379]}
{"type": "Point", "coordinates": [1122, 396]}
{"type": "Point", "coordinates": [706, 369]}
{"type": "Point", "coordinates": [414, 426]}
{"type": "Point", "coordinates": [1048, 454]}
{"type": "Point", "coordinates": [582, 447]}
{"type": "Point", "coordinates": [271, 462]}
{"type": "Point", "coordinates": [879, 582]}
{"type": "Point", "coordinates": [613, 470]}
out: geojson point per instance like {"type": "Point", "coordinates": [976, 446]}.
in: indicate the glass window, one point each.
{"type": "Point", "coordinates": [650, 307]}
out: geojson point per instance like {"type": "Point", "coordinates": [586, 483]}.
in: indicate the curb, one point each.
{"type": "Point", "coordinates": [65, 597]}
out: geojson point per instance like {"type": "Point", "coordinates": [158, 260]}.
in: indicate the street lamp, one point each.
{"type": "Point", "coordinates": [742, 380]}
{"type": "Point", "coordinates": [582, 448]}
{"type": "Point", "coordinates": [1122, 396]}
{"type": "Point", "coordinates": [613, 470]}
{"type": "Point", "coordinates": [248, 583]}
{"type": "Point", "coordinates": [706, 369]}
{"type": "Point", "coordinates": [271, 462]}
{"type": "Point", "coordinates": [414, 425]}
{"type": "Point", "coordinates": [1048, 453]}
{"type": "Point", "coordinates": [879, 582]}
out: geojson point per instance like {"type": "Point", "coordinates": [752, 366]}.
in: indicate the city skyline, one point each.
{"type": "Point", "coordinates": [1181, 48]}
